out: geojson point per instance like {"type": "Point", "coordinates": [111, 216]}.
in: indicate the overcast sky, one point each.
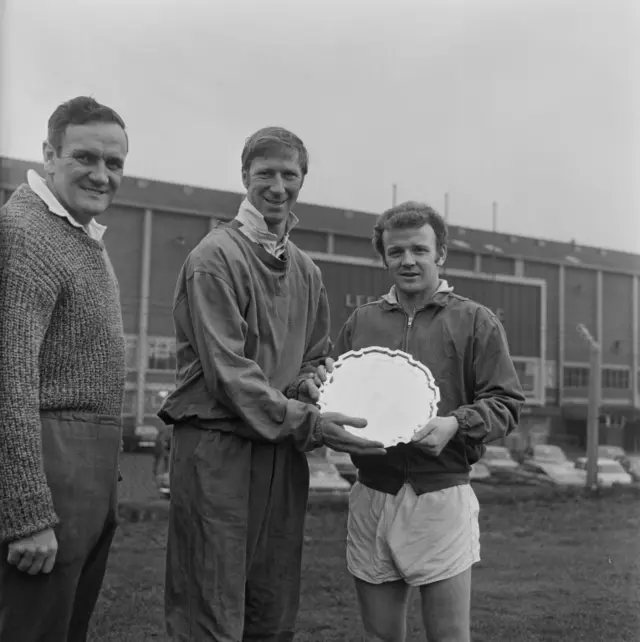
{"type": "Point", "coordinates": [531, 103]}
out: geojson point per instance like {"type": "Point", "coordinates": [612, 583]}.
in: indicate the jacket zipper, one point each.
{"type": "Point", "coordinates": [405, 342]}
{"type": "Point", "coordinates": [405, 348]}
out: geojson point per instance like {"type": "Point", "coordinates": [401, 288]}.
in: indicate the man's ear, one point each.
{"type": "Point", "coordinates": [48, 156]}
{"type": "Point", "coordinates": [442, 258]}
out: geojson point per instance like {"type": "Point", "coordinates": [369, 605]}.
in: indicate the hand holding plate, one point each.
{"type": "Point", "coordinates": [309, 391]}
{"type": "Point", "coordinates": [323, 371]}
{"type": "Point", "coordinates": [433, 437]}
{"type": "Point", "coordinates": [336, 437]}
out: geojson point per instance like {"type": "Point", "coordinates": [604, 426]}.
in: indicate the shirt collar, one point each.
{"type": "Point", "coordinates": [392, 296]}
{"type": "Point", "coordinates": [94, 229]}
{"type": "Point", "coordinates": [254, 224]}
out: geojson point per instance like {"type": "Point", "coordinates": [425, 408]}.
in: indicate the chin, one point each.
{"type": "Point", "coordinates": [94, 208]}
{"type": "Point", "coordinates": [411, 289]}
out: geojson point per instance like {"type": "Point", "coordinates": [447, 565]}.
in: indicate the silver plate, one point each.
{"type": "Point", "coordinates": [396, 394]}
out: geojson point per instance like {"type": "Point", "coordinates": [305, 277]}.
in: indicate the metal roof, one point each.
{"type": "Point", "coordinates": [138, 192]}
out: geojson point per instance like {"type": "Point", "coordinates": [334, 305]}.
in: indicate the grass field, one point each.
{"type": "Point", "coordinates": [552, 569]}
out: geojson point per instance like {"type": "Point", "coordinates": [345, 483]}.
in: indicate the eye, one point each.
{"type": "Point", "coordinates": [115, 164]}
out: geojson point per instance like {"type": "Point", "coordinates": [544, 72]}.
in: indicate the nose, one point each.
{"type": "Point", "coordinates": [99, 173]}
{"type": "Point", "coordinates": [277, 185]}
{"type": "Point", "coordinates": [408, 258]}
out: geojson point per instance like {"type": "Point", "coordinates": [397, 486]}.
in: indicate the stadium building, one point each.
{"type": "Point", "coordinates": [539, 289]}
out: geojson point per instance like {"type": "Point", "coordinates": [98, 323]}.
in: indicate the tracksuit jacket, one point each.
{"type": "Point", "coordinates": [465, 347]}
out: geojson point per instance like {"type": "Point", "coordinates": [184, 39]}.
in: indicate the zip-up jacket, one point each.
{"type": "Point", "coordinates": [465, 347]}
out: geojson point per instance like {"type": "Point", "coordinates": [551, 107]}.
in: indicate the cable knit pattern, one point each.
{"type": "Point", "coordinates": [61, 347]}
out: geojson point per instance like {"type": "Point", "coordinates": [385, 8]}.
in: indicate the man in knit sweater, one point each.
{"type": "Point", "coordinates": [252, 323]}
{"type": "Point", "coordinates": [62, 375]}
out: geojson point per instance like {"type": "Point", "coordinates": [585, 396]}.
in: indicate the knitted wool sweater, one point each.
{"type": "Point", "coordinates": [61, 347]}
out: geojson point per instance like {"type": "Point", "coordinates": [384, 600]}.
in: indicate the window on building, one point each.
{"type": "Point", "coordinates": [527, 375]}
{"type": "Point", "coordinates": [576, 377]}
{"type": "Point", "coordinates": [154, 395]}
{"type": "Point", "coordinates": [130, 400]}
{"type": "Point", "coordinates": [616, 379]}
{"type": "Point", "coordinates": [153, 398]}
{"type": "Point", "coordinates": [162, 353]}
{"type": "Point", "coordinates": [131, 351]}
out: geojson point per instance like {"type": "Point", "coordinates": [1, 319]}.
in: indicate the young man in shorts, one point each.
{"type": "Point", "coordinates": [413, 516]}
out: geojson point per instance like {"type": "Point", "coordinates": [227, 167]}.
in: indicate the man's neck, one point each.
{"type": "Point", "coordinates": [278, 229]}
{"type": "Point", "coordinates": [412, 302]}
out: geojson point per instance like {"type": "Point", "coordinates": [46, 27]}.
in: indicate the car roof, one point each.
{"type": "Point", "coordinates": [601, 460]}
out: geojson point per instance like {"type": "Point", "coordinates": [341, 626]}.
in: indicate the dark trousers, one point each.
{"type": "Point", "coordinates": [80, 453]}
{"type": "Point", "coordinates": [236, 530]}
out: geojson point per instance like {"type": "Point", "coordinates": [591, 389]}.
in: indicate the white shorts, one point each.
{"type": "Point", "coordinates": [418, 539]}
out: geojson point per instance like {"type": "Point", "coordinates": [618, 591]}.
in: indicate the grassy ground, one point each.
{"type": "Point", "coordinates": [552, 569]}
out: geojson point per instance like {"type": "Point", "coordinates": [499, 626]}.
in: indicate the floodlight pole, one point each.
{"type": "Point", "coordinates": [593, 415]}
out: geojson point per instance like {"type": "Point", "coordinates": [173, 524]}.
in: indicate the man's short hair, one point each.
{"type": "Point", "coordinates": [410, 214]}
{"type": "Point", "coordinates": [270, 139]}
{"type": "Point", "coordinates": [79, 111]}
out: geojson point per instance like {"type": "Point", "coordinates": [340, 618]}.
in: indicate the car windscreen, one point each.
{"type": "Point", "coordinates": [610, 468]}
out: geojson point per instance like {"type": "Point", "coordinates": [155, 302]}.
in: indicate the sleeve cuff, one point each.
{"type": "Point", "coordinates": [469, 420]}
{"type": "Point", "coordinates": [26, 516]}
{"type": "Point", "coordinates": [316, 436]}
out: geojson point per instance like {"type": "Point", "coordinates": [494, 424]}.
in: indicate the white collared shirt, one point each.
{"type": "Point", "coordinates": [255, 229]}
{"type": "Point", "coordinates": [37, 184]}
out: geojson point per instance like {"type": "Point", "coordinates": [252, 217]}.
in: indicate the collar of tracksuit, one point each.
{"type": "Point", "coordinates": [390, 300]}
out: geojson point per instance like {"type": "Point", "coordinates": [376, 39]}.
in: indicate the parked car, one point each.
{"type": "Point", "coordinates": [139, 438]}
{"type": "Point", "coordinates": [555, 473]}
{"type": "Point", "coordinates": [479, 472]}
{"type": "Point", "coordinates": [324, 477]}
{"type": "Point", "coordinates": [612, 452]}
{"type": "Point", "coordinates": [629, 462]}
{"type": "Point", "coordinates": [498, 458]}
{"type": "Point", "coordinates": [163, 485]}
{"type": "Point", "coordinates": [633, 467]}
{"type": "Point", "coordinates": [610, 471]}
{"type": "Point", "coordinates": [342, 461]}
{"type": "Point", "coordinates": [548, 453]}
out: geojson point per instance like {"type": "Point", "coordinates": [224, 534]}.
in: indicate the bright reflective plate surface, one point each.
{"type": "Point", "coordinates": [396, 394]}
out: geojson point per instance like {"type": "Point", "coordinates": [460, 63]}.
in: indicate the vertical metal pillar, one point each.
{"type": "Point", "coordinates": [331, 243]}
{"type": "Point", "coordinates": [143, 317]}
{"type": "Point", "coordinates": [543, 345]}
{"type": "Point", "coordinates": [635, 365]}
{"type": "Point", "coordinates": [561, 331]}
{"type": "Point", "coordinates": [593, 415]}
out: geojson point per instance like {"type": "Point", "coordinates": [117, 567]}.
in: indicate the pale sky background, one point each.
{"type": "Point", "coordinates": [532, 103]}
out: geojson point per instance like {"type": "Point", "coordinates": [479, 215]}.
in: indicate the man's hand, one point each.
{"type": "Point", "coordinates": [34, 554]}
{"type": "Point", "coordinates": [337, 438]}
{"type": "Point", "coordinates": [433, 437]}
{"type": "Point", "coordinates": [309, 390]}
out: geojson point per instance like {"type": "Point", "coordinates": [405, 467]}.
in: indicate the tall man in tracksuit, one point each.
{"type": "Point", "coordinates": [413, 516]}
{"type": "Point", "coordinates": [252, 324]}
